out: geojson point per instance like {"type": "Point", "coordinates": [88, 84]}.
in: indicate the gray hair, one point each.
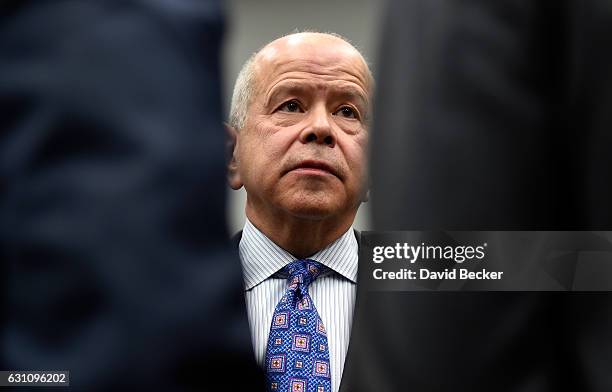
{"type": "Point", "coordinates": [243, 91]}
{"type": "Point", "coordinates": [245, 84]}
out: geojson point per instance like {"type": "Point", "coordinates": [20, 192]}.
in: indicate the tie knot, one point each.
{"type": "Point", "coordinates": [301, 273]}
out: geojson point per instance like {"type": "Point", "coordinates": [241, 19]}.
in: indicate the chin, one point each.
{"type": "Point", "coordinates": [312, 209]}
{"type": "Point", "coordinates": [311, 212]}
{"type": "Point", "coordinates": [313, 205]}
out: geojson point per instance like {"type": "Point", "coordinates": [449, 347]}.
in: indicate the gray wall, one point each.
{"type": "Point", "coordinates": [253, 23]}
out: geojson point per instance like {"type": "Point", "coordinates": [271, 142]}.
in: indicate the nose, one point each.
{"type": "Point", "coordinates": [319, 129]}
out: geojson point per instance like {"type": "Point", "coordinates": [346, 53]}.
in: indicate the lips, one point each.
{"type": "Point", "coordinates": [315, 166]}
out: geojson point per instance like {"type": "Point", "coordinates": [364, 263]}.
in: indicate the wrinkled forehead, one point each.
{"type": "Point", "coordinates": [312, 53]}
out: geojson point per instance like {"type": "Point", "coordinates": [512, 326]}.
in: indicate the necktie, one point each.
{"type": "Point", "coordinates": [297, 355]}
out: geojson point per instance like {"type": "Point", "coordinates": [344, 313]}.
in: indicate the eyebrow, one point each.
{"type": "Point", "coordinates": [286, 88]}
{"type": "Point", "coordinates": [350, 93]}
{"type": "Point", "coordinates": [345, 92]}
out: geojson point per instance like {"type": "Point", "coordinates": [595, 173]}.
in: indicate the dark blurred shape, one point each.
{"type": "Point", "coordinates": [115, 263]}
{"type": "Point", "coordinates": [489, 115]}
{"type": "Point", "coordinates": [494, 115]}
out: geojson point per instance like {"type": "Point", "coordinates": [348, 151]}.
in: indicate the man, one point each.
{"type": "Point", "coordinates": [299, 118]}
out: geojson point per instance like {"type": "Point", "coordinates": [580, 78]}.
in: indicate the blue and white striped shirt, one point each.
{"type": "Point", "coordinates": [333, 294]}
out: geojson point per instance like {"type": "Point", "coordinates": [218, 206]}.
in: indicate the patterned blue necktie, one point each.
{"type": "Point", "coordinates": [297, 356]}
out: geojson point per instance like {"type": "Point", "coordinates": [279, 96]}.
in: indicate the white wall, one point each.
{"type": "Point", "coordinates": [253, 23]}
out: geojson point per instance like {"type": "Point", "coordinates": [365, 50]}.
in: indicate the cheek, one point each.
{"type": "Point", "coordinates": [351, 127]}
{"type": "Point", "coordinates": [355, 152]}
{"type": "Point", "coordinates": [286, 120]}
{"type": "Point", "coordinates": [263, 152]}
{"type": "Point", "coordinates": [278, 142]}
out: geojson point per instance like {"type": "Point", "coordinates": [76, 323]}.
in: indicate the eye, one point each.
{"type": "Point", "coordinates": [347, 111]}
{"type": "Point", "coordinates": [292, 106]}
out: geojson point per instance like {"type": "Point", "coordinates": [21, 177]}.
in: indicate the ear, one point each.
{"type": "Point", "coordinates": [366, 192]}
{"type": "Point", "coordinates": [231, 145]}
{"type": "Point", "coordinates": [366, 196]}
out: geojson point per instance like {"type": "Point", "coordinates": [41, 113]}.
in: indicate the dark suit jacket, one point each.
{"type": "Point", "coordinates": [114, 262]}
{"type": "Point", "coordinates": [489, 115]}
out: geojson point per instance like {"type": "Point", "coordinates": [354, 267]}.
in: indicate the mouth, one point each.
{"type": "Point", "coordinates": [312, 167]}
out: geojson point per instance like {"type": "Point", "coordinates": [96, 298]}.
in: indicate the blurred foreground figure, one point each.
{"type": "Point", "coordinates": [495, 115]}
{"type": "Point", "coordinates": [113, 253]}
{"type": "Point", "coordinates": [490, 115]}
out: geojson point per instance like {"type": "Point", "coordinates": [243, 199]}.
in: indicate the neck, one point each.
{"type": "Point", "coordinates": [302, 237]}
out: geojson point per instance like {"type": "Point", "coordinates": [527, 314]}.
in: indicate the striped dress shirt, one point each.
{"type": "Point", "coordinates": [333, 293]}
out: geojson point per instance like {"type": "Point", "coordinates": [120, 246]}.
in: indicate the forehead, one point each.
{"type": "Point", "coordinates": [318, 59]}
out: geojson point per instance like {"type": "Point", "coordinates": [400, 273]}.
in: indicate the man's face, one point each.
{"type": "Point", "coordinates": [303, 147]}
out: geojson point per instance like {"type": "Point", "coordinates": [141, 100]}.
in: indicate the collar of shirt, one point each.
{"type": "Point", "coordinates": [261, 257]}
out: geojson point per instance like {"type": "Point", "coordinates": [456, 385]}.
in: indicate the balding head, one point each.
{"type": "Point", "coordinates": [256, 67]}
{"type": "Point", "coordinates": [300, 131]}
